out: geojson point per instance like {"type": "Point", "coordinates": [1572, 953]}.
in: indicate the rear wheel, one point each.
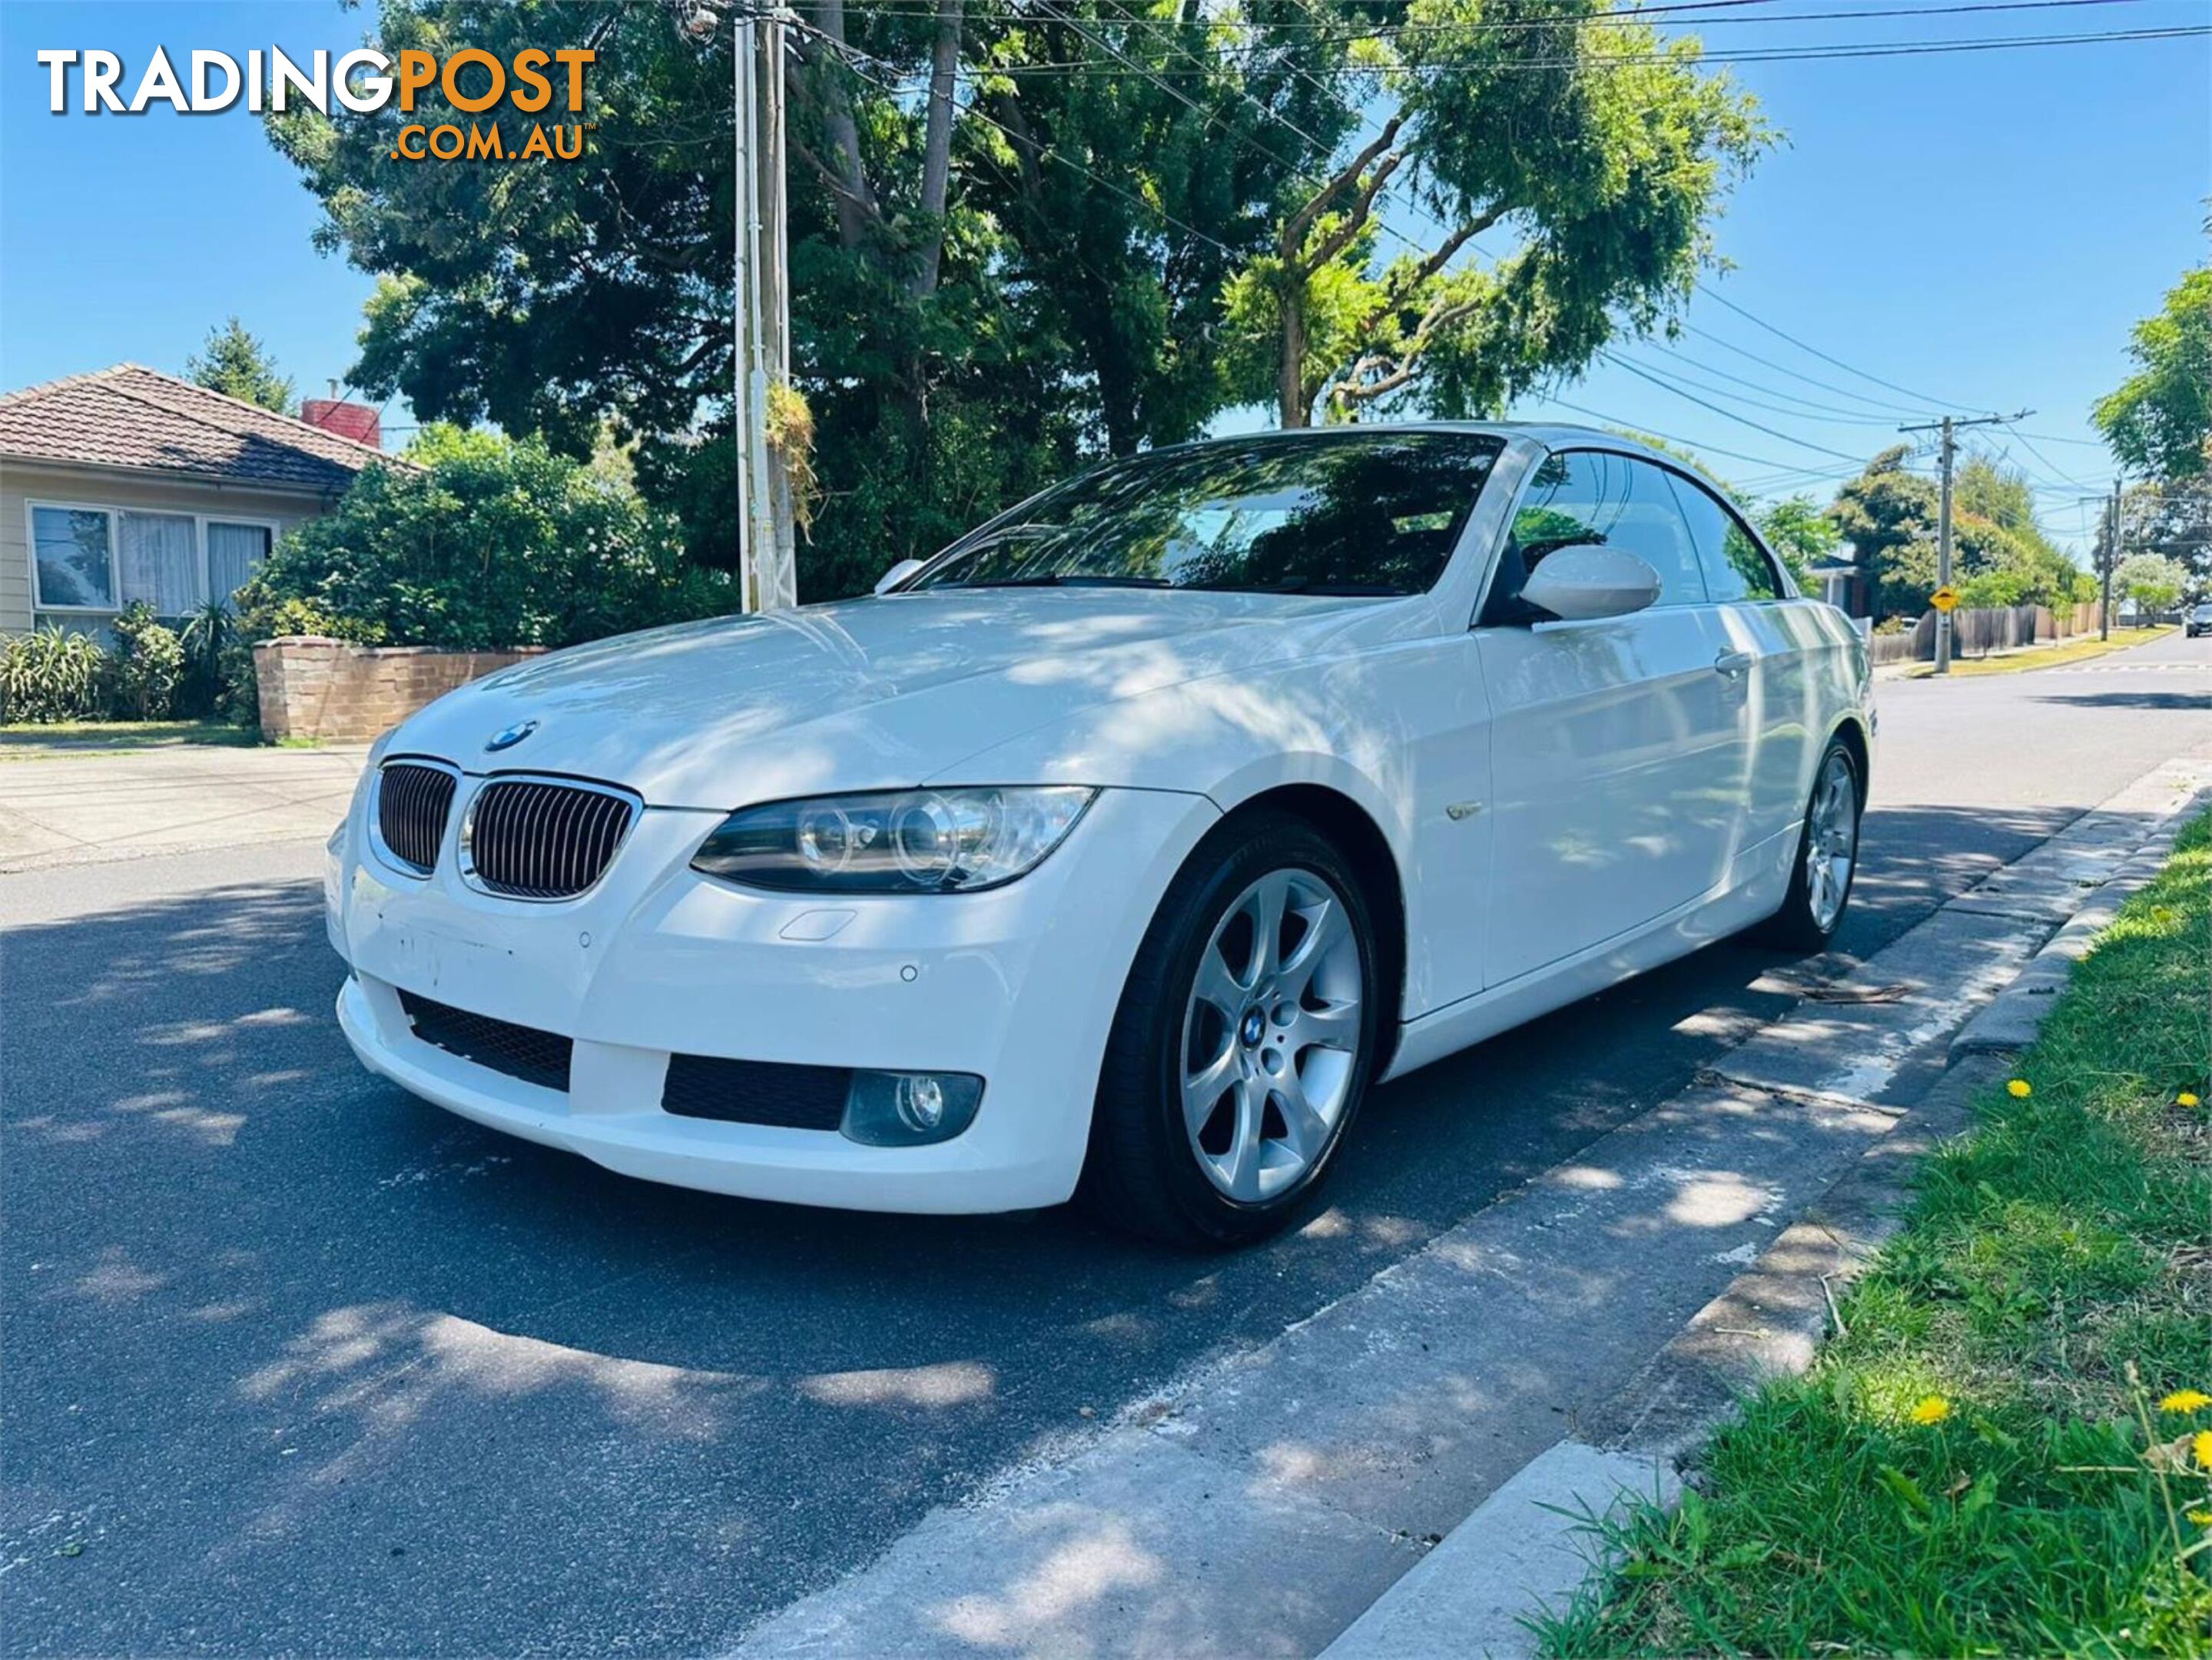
{"type": "Point", "coordinates": [1241, 1050]}
{"type": "Point", "coordinates": [1827, 857]}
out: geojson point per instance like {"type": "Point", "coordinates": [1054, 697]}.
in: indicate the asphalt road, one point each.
{"type": "Point", "coordinates": [296, 1363]}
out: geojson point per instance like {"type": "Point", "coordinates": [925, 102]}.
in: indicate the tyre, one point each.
{"type": "Point", "coordinates": [1242, 1045]}
{"type": "Point", "coordinates": [1827, 857]}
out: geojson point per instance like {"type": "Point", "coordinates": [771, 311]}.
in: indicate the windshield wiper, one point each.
{"type": "Point", "coordinates": [1065, 580]}
{"type": "Point", "coordinates": [1340, 590]}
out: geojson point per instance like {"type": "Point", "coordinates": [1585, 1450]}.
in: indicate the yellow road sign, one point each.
{"type": "Point", "coordinates": [1944, 598]}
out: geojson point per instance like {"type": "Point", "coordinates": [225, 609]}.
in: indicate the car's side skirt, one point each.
{"type": "Point", "coordinates": [1760, 882]}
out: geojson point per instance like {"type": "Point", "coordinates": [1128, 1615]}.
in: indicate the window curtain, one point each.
{"type": "Point", "coordinates": [161, 562]}
{"type": "Point", "coordinates": [233, 552]}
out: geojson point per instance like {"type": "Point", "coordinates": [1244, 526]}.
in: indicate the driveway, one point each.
{"type": "Point", "coordinates": [298, 1363]}
{"type": "Point", "coordinates": [70, 805]}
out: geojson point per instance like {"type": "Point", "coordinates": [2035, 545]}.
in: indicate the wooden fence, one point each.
{"type": "Point", "coordinates": [1977, 632]}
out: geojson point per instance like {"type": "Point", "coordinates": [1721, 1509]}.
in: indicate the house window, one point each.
{"type": "Point", "coordinates": [69, 551]}
{"type": "Point", "coordinates": [232, 551]}
{"type": "Point", "coordinates": [101, 559]}
{"type": "Point", "coordinates": [159, 555]}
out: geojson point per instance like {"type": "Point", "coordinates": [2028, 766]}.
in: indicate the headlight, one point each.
{"type": "Point", "coordinates": [948, 841]}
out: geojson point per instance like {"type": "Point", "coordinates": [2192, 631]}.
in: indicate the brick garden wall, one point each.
{"type": "Point", "coordinates": [330, 692]}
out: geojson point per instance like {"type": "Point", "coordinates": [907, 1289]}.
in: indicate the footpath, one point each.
{"type": "Point", "coordinates": [59, 808]}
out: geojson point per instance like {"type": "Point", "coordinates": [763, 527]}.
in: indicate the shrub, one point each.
{"type": "Point", "coordinates": [51, 675]}
{"type": "Point", "coordinates": [145, 667]}
{"type": "Point", "coordinates": [207, 637]}
{"type": "Point", "coordinates": [493, 544]}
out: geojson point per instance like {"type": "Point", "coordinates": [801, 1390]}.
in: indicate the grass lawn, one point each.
{"type": "Point", "coordinates": [2046, 657]}
{"type": "Point", "coordinates": [1987, 1461]}
{"type": "Point", "coordinates": [24, 741]}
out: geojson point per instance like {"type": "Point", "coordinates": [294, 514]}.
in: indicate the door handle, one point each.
{"type": "Point", "coordinates": [1732, 665]}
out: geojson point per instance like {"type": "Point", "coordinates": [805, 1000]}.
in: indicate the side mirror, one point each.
{"type": "Point", "coordinates": [896, 574]}
{"type": "Point", "coordinates": [1586, 581]}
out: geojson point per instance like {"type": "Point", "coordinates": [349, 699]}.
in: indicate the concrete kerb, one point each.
{"type": "Point", "coordinates": [1771, 1320]}
{"type": "Point", "coordinates": [2011, 1020]}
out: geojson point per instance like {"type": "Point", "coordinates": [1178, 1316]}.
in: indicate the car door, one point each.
{"type": "Point", "coordinates": [1779, 645]}
{"type": "Point", "coordinates": [1619, 746]}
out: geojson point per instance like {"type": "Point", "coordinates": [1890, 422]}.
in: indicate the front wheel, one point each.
{"type": "Point", "coordinates": [1827, 857]}
{"type": "Point", "coordinates": [1242, 1047]}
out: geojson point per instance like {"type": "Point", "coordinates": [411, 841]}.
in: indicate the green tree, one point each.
{"type": "Point", "coordinates": [485, 543]}
{"type": "Point", "coordinates": [236, 363]}
{"type": "Point", "coordinates": [1888, 516]}
{"type": "Point", "coordinates": [2159, 420]}
{"type": "Point", "coordinates": [2173, 518]}
{"type": "Point", "coordinates": [1804, 536]}
{"type": "Point", "coordinates": [2003, 556]}
{"type": "Point", "coordinates": [546, 297]}
{"type": "Point", "coordinates": [1596, 145]}
{"type": "Point", "coordinates": [2000, 554]}
{"type": "Point", "coordinates": [2154, 582]}
{"type": "Point", "coordinates": [1022, 232]}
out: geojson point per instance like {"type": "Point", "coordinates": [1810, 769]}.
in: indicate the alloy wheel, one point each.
{"type": "Point", "coordinates": [1831, 840]}
{"type": "Point", "coordinates": [1271, 1036]}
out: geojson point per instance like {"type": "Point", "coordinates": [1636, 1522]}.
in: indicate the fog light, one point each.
{"type": "Point", "coordinates": [909, 1109]}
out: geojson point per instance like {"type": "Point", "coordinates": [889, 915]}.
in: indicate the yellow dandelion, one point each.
{"type": "Point", "coordinates": [2200, 1447]}
{"type": "Point", "coordinates": [2020, 1088]}
{"type": "Point", "coordinates": [2185, 1401]}
{"type": "Point", "coordinates": [2186, 1099]}
{"type": "Point", "coordinates": [1934, 1409]}
{"type": "Point", "coordinates": [2202, 1517]}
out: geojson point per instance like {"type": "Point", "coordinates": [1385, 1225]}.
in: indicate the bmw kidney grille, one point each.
{"type": "Point", "coordinates": [542, 839]}
{"type": "Point", "coordinates": [412, 802]}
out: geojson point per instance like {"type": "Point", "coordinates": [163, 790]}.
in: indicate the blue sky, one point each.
{"type": "Point", "coordinates": [1981, 227]}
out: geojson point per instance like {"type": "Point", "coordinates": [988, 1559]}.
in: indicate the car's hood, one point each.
{"type": "Point", "coordinates": [871, 693]}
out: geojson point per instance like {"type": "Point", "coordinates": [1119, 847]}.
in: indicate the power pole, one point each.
{"type": "Point", "coordinates": [768, 570]}
{"type": "Point", "coordinates": [2111, 562]}
{"type": "Point", "coordinates": [1949, 453]}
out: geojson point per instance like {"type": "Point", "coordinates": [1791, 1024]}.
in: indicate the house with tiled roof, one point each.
{"type": "Point", "coordinates": [127, 483]}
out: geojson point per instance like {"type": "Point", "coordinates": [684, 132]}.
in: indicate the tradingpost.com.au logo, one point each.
{"type": "Point", "coordinates": [365, 81]}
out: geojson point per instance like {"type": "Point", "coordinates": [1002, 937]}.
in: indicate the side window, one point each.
{"type": "Point", "coordinates": [1735, 567]}
{"type": "Point", "coordinates": [1617, 501]}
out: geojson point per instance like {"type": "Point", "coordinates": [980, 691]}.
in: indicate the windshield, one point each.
{"type": "Point", "coordinates": [1350, 513]}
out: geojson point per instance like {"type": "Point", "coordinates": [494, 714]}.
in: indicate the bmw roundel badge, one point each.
{"type": "Point", "coordinates": [508, 737]}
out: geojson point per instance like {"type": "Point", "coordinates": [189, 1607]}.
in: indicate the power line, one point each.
{"type": "Point", "coordinates": [1782, 54]}
{"type": "Point", "coordinates": [1799, 374]}
{"type": "Point", "coordinates": [1677, 385]}
{"type": "Point", "coordinates": [2057, 472]}
{"type": "Point", "coordinates": [1921, 398]}
{"type": "Point", "coordinates": [1359, 29]}
{"type": "Point", "coordinates": [1792, 405]}
{"type": "Point", "coordinates": [1729, 415]}
{"type": "Point", "coordinates": [1044, 152]}
{"type": "Point", "coordinates": [881, 7]}
{"type": "Point", "coordinates": [1652, 432]}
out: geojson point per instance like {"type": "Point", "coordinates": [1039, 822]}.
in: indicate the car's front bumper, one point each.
{"type": "Point", "coordinates": [1017, 986]}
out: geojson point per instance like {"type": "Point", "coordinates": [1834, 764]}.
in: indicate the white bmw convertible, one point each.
{"type": "Point", "coordinates": [1124, 846]}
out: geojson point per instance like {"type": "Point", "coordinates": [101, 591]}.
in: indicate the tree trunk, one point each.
{"type": "Point", "coordinates": [1291, 371]}
{"type": "Point", "coordinates": [937, 146]}
{"type": "Point", "coordinates": [856, 203]}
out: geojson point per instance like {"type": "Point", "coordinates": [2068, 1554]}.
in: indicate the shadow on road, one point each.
{"type": "Point", "coordinates": [2175, 702]}
{"type": "Point", "coordinates": [285, 1327]}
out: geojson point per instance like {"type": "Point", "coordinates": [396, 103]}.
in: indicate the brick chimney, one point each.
{"type": "Point", "coordinates": [355, 421]}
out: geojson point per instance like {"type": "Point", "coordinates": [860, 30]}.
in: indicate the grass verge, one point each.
{"type": "Point", "coordinates": [2046, 657]}
{"type": "Point", "coordinates": [1985, 1460]}
{"type": "Point", "coordinates": [23, 740]}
